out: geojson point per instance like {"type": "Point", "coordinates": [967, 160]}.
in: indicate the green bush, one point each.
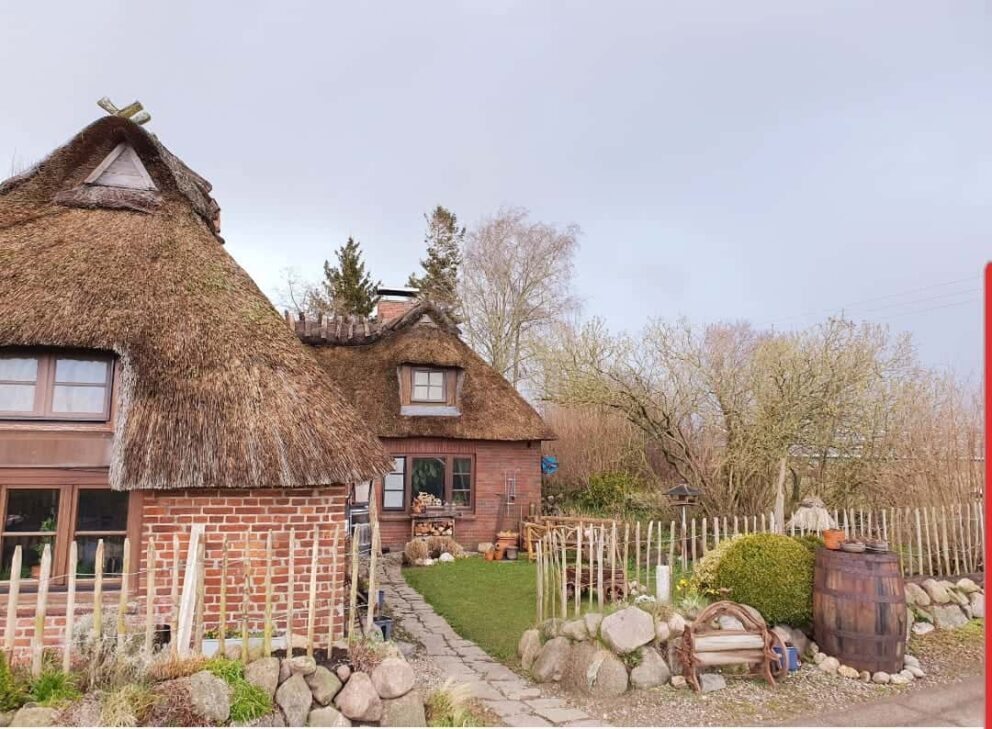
{"type": "Point", "coordinates": [812, 542]}
{"type": "Point", "coordinates": [248, 702]}
{"type": "Point", "coordinates": [607, 492]}
{"type": "Point", "coordinates": [12, 693]}
{"type": "Point", "coordinates": [771, 572]}
{"type": "Point", "coordinates": [53, 688]}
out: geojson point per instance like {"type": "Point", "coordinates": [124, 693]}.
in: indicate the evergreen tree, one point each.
{"type": "Point", "coordinates": [348, 287]}
{"type": "Point", "coordinates": [439, 282]}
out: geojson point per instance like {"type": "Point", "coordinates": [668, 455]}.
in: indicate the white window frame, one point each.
{"type": "Point", "coordinates": [433, 386]}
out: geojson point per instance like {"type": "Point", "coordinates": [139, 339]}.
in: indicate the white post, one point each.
{"type": "Point", "coordinates": [663, 584]}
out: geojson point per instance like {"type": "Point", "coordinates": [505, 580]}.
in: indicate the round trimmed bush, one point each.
{"type": "Point", "coordinates": [771, 572]}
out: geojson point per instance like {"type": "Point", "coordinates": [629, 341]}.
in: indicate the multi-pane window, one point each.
{"type": "Point", "coordinates": [449, 478]}
{"type": "Point", "coordinates": [394, 485]}
{"type": "Point", "coordinates": [428, 385]}
{"type": "Point", "coordinates": [428, 476]}
{"type": "Point", "coordinates": [55, 386]}
{"type": "Point", "coordinates": [461, 481]}
{"type": "Point", "coordinates": [31, 517]}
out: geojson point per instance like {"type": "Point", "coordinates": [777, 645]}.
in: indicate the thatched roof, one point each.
{"type": "Point", "coordinates": [363, 357]}
{"type": "Point", "coordinates": [215, 391]}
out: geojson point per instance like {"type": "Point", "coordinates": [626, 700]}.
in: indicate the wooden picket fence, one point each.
{"type": "Point", "coordinates": [602, 556]}
{"type": "Point", "coordinates": [188, 592]}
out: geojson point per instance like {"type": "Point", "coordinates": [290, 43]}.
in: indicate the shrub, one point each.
{"type": "Point", "coordinates": [438, 545]}
{"type": "Point", "coordinates": [704, 573]}
{"type": "Point", "coordinates": [225, 668]}
{"type": "Point", "coordinates": [249, 702]}
{"type": "Point", "coordinates": [166, 667]}
{"type": "Point", "coordinates": [415, 549]}
{"type": "Point", "coordinates": [450, 705]}
{"type": "Point", "coordinates": [173, 707]}
{"type": "Point", "coordinates": [772, 573]}
{"type": "Point", "coordinates": [367, 653]}
{"type": "Point", "coordinates": [129, 705]}
{"type": "Point", "coordinates": [12, 689]}
{"type": "Point", "coordinates": [812, 542]}
{"type": "Point", "coordinates": [607, 492]}
{"type": "Point", "coordinates": [53, 688]}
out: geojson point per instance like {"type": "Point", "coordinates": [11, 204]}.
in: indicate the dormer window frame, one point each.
{"type": "Point", "coordinates": [144, 181]}
{"type": "Point", "coordinates": [431, 373]}
{"type": "Point", "coordinates": [48, 381]}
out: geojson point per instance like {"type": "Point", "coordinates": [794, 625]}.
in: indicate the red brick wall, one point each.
{"type": "Point", "coordinates": [493, 460]}
{"type": "Point", "coordinates": [389, 310]}
{"type": "Point", "coordinates": [245, 518]}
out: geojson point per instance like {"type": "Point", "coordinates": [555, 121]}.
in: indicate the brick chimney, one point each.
{"type": "Point", "coordinates": [394, 302]}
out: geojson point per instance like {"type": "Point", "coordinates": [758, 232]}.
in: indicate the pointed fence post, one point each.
{"type": "Point", "coordinates": [333, 602]}
{"type": "Point", "coordinates": [198, 610]}
{"type": "Point", "coordinates": [41, 607]}
{"type": "Point", "coordinates": [13, 593]}
{"type": "Point", "coordinates": [539, 607]}
{"type": "Point", "coordinates": [578, 570]}
{"type": "Point", "coordinates": [98, 592]}
{"type": "Point", "coordinates": [70, 607]}
{"type": "Point", "coordinates": [312, 593]}
{"type": "Point", "coordinates": [267, 587]}
{"type": "Point", "coordinates": [174, 600]}
{"type": "Point", "coordinates": [122, 599]}
{"type": "Point", "coordinates": [150, 597]}
{"type": "Point", "coordinates": [222, 610]}
{"type": "Point", "coordinates": [291, 592]}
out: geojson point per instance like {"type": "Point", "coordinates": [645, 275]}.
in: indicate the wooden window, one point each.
{"type": "Point", "coordinates": [427, 475]}
{"type": "Point", "coordinates": [461, 482]}
{"type": "Point", "coordinates": [428, 385]}
{"type": "Point", "coordinates": [448, 477]}
{"type": "Point", "coordinates": [55, 386]}
{"type": "Point", "coordinates": [33, 516]}
{"type": "Point", "coordinates": [394, 486]}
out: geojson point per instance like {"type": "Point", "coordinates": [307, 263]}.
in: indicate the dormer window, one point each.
{"type": "Point", "coordinates": [55, 386]}
{"type": "Point", "coordinates": [428, 385]}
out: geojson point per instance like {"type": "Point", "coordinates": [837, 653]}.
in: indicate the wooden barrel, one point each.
{"type": "Point", "coordinates": [859, 609]}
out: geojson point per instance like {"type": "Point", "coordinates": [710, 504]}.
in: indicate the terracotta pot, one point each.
{"type": "Point", "coordinates": [490, 555]}
{"type": "Point", "coordinates": [499, 553]}
{"type": "Point", "coordinates": [832, 538]}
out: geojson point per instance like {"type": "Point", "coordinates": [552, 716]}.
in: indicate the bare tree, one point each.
{"type": "Point", "coordinates": [298, 295]}
{"type": "Point", "coordinates": [516, 283]}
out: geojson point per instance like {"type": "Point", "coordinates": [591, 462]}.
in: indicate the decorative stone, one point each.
{"type": "Point", "coordinates": [594, 671]}
{"type": "Point", "coordinates": [813, 648]}
{"type": "Point", "coordinates": [676, 624]}
{"type": "Point", "coordinates": [711, 682]}
{"type": "Point", "coordinates": [819, 658]}
{"type": "Point", "coordinates": [908, 660]}
{"type": "Point", "coordinates": [829, 665]}
{"type": "Point", "coordinates": [922, 628]}
{"type": "Point", "coordinates": [865, 676]}
{"type": "Point", "coordinates": [329, 716]}
{"type": "Point", "coordinates": [407, 710]}
{"type": "Point", "coordinates": [948, 617]}
{"type": "Point", "coordinates": [847, 672]}
{"type": "Point", "coordinates": [304, 665]}
{"type": "Point", "coordinates": [483, 547]}
{"type": "Point", "coordinates": [343, 672]}
{"type": "Point", "coordinates": [916, 671]}
{"type": "Point", "coordinates": [627, 629]}
{"type": "Point", "coordinates": [272, 719]}
{"type": "Point", "coordinates": [264, 673]}
{"type": "Point", "coordinates": [729, 622]}
{"type": "Point", "coordinates": [209, 696]}
{"type": "Point", "coordinates": [551, 660]}
{"type": "Point", "coordinates": [446, 557]}
{"type": "Point", "coordinates": [528, 648]}
{"type": "Point", "coordinates": [593, 621]}
{"type": "Point", "coordinates": [957, 596]}
{"type": "Point", "coordinates": [575, 630]}
{"type": "Point", "coordinates": [907, 674]}
{"type": "Point", "coordinates": [359, 700]}
{"type": "Point", "coordinates": [679, 682]}
{"type": "Point", "coordinates": [967, 586]}
{"type": "Point", "coordinates": [899, 680]}
{"type": "Point", "coordinates": [6, 716]}
{"type": "Point", "coordinates": [651, 671]}
{"type": "Point", "coordinates": [392, 678]}
{"type": "Point", "coordinates": [294, 698]}
{"type": "Point", "coordinates": [551, 628]}
{"type": "Point", "coordinates": [799, 640]}
{"type": "Point", "coordinates": [324, 685]}
{"type": "Point", "coordinates": [978, 605]}
{"type": "Point", "coordinates": [936, 591]}
{"type": "Point", "coordinates": [881, 677]}
{"type": "Point", "coordinates": [784, 632]}
{"type": "Point", "coordinates": [34, 716]}
{"type": "Point", "coordinates": [662, 632]}
{"type": "Point", "coordinates": [916, 595]}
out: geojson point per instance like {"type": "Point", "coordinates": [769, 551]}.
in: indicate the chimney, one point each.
{"type": "Point", "coordinates": [394, 302]}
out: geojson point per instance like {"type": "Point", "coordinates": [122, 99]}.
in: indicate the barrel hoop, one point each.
{"type": "Point", "coordinates": [891, 599]}
{"type": "Point", "coordinates": [894, 573]}
{"type": "Point", "coordinates": [875, 637]}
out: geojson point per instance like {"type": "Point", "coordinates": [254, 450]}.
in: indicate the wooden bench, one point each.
{"type": "Point", "coordinates": [701, 646]}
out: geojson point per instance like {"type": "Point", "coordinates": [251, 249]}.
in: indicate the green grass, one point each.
{"type": "Point", "coordinates": [489, 603]}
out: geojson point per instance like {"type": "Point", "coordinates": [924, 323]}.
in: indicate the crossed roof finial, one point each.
{"type": "Point", "coordinates": [133, 111]}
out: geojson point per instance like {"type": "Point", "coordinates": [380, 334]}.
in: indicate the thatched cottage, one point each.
{"type": "Point", "coordinates": [460, 435]}
{"type": "Point", "coordinates": [146, 384]}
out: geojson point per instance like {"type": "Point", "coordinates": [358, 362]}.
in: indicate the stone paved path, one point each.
{"type": "Point", "coordinates": [517, 701]}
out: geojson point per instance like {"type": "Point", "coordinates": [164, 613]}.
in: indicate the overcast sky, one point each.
{"type": "Point", "coordinates": [770, 161]}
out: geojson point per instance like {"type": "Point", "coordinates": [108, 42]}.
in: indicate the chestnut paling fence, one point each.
{"type": "Point", "coordinates": [597, 560]}
{"type": "Point", "coordinates": [244, 596]}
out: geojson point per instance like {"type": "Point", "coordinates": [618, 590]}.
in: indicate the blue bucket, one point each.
{"type": "Point", "coordinates": [793, 657]}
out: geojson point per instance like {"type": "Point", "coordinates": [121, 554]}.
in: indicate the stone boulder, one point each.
{"type": "Point", "coordinates": [977, 605]}
{"type": "Point", "coordinates": [294, 698]}
{"type": "Point", "coordinates": [392, 678]}
{"type": "Point", "coordinates": [324, 685]}
{"type": "Point", "coordinates": [343, 672]}
{"type": "Point", "coordinates": [848, 672]}
{"type": "Point", "coordinates": [595, 672]}
{"type": "Point", "coordinates": [936, 591]}
{"type": "Point", "coordinates": [407, 710]}
{"type": "Point", "coordinates": [922, 628]}
{"type": "Point", "coordinates": [359, 700]}
{"type": "Point", "coordinates": [676, 624]}
{"type": "Point", "coordinates": [551, 628]}
{"type": "Point", "coordinates": [800, 641]}
{"type": "Point", "coordinates": [729, 622]}
{"type": "Point", "coordinates": [593, 621]}
{"type": "Point", "coordinates": [957, 596]}
{"type": "Point", "coordinates": [651, 671]}
{"type": "Point", "coordinates": [627, 630]}
{"type": "Point", "coordinates": [711, 682]}
{"type": "Point", "coordinates": [662, 632]}
{"type": "Point", "coordinates": [327, 716]}
{"type": "Point", "coordinates": [304, 665]}
{"type": "Point", "coordinates": [272, 719]}
{"type": "Point", "coordinates": [575, 630]}
{"type": "Point", "coordinates": [948, 617]}
{"type": "Point", "coordinates": [916, 595]}
{"type": "Point", "coordinates": [881, 677]}
{"type": "Point", "coordinates": [34, 716]}
{"type": "Point", "coordinates": [528, 647]}
{"type": "Point", "coordinates": [899, 680]}
{"type": "Point", "coordinates": [967, 586]}
{"type": "Point", "coordinates": [829, 665]}
{"type": "Point", "coordinates": [551, 660]}
{"type": "Point", "coordinates": [264, 673]}
{"type": "Point", "coordinates": [209, 696]}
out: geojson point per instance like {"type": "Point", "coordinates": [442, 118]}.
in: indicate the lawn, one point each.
{"type": "Point", "coordinates": [489, 603]}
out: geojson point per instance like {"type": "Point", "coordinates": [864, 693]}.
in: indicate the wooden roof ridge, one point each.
{"type": "Point", "coordinates": [353, 330]}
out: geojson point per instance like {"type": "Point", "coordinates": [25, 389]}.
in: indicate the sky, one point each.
{"type": "Point", "coordinates": [777, 162]}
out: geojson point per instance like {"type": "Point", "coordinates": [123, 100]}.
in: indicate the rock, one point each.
{"type": "Point", "coordinates": [865, 676]}
{"type": "Point", "coordinates": [528, 647]}
{"type": "Point", "coordinates": [651, 671]}
{"type": "Point", "coordinates": [711, 682]}
{"type": "Point", "coordinates": [910, 617]}
{"type": "Point", "coordinates": [264, 673]}
{"type": "Point", "coordinates": [272, 719]}
{"type": "Point", "coordinates": [392, 678]}
{"type": "Point", "coordinates": [754, 613]}
{"type": "Point", "coordinates": [575, 630]}
{"type": "Point", "coordinates": [978, 605]}
{"type": "Point", "coordinates": [967, 586]}
{"type": "Point", "coordinates": [916, 595]}
{"type": "Point", "coordinates": [784, 632]}
{"type": "Point", "coordinates": [908, 660]}
{"type": "Point", "coordinates": [922, 628]}
{"type": "Point", "coordinates": [343, 672]}
{"type": "Point", "coordinates": [679, 682]}
{"type": "Point", "coordinates": [34, 716]}
{"type": "Point", "coordinates": [799, 640]}
{"type": "Point", "coordinates": [829, 665]}
{"type": "Point", "coordinates": [209, 696]}
{"type": "Point", "coordinates": [881, 677]}
{"type": "Point", "coordinates": [907, 674]}
{"type": "Point", "coordinates": [729, 622]}
{"type": "Point", "coordinates": [407, 710]}
{"type": "Point", "coordinates": [848, 672]}
{"type": "Point", "coordinates": [957, 597]}
{"type": "Point", "coordinates": [551, 628]}
{"type": "Point", "coordinates": [948, 617]}
{"type": "Point", "coordinates": [676, 624]}
{"type": "Point", "coordinates": [594, 671]}
{"type": "Point", "coordinates": [819, 658]}
{"type": "Point", "coordinates": [551, 660]}
{"type": "Point", "coordinates": [446, 557]}
{"type": "Point", "coordinates": [329, 716]}
{"type": "Point", "coordinates": [358, 700]}
{"type": "Point", "coordinates": [936, 591]}
{"type": "Point", "coordinates": [593, 621]}
{"type": "Point", "coordinates": [304, 665]}
{"type": "Point", "coordinates": [899, 680]}
{"type": "Point", "coordinates": [812, 649]}
{"type": "Point", "coordinates": [294, 698]}
{"type": "Point", "coordinates": [627, 629]}
{"type": "Point", "coordinates": [483, 547]}
{"type": "Point", "coordinates": [325, 685]}
{"type": "Point", "coordinates": [662, 632]}
{"type": "Point", "coordinates": [916, 671]}
{"type": "Point", "coordinates": [6, 716]}
{"type": "Point", "coordinates": [284, 672]}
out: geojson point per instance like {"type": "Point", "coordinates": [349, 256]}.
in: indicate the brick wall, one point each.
{"type": "Point", "coordinates": [493, 460]}
{"type": "Point", "coordinates": [245, 518]}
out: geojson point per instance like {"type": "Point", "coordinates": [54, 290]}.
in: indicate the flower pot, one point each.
{"type": "Point", "coordinates": [511, 552]}
{"type": "Point", "coordinates": [832, 538]}
{"type": "Point", "coordinates": [490, 555]}
{"type": "Point", "coordinates": [499, 552]}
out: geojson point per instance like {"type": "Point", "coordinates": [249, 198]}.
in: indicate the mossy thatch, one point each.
{"type": "Point", "coordinates": [215, 392]}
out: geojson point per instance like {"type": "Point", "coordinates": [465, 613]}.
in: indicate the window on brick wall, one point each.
{"type": "Point", "coordinates": [54, 385]}
{"type": "Point", "coordinates": [450, 478]}
{"type": "Point", "coordinates": [394, 486]}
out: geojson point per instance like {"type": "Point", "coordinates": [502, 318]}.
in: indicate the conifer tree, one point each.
{"type": "Point", "coordinates": [439, 282]}
{"type": "Point", "coordinates": [348, 287]}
